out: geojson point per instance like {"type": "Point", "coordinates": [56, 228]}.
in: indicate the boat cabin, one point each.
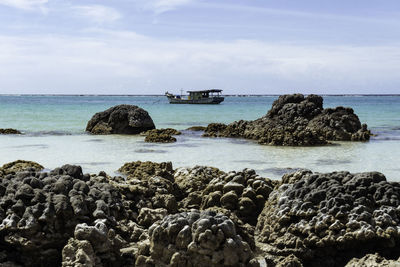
{"type": "Point", "coordinates": [212, 96]}
{"type": "Point", "coordinates": [195, 95]}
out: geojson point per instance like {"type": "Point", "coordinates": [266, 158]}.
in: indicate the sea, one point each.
{"type": "Point", "coordinates": [54, 134]}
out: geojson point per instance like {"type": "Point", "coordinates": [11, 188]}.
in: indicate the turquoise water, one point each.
{"type": "Point", "coordinates": [54, 135]}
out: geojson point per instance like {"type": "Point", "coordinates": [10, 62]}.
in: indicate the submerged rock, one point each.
{"type": "Point", "coordinates": [9, 131]}
{"type": "Point", "coordinates": [161, 135]}
{"type": "Point", "coordinates": [121, 119]}
{"type": "Point", "coordinates": [295, 120]}
{"type": "Point", "coordinates": [330, 218]}
{"type": "Point", "coordinates": [196, 128]}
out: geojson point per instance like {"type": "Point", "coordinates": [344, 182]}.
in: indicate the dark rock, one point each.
{"type": "Point", "coordinates": [149, 216]}
{"type": "Point", "coordinates": [295, 120]}
{"type": "Point", "coordinates": [168, 131]}
{"type": "Point", "coordinates": [121, 119]}
{"type": "Point", "coordinates": [71, 170]}
{"type": "Point", "coordinates": [9, 131]}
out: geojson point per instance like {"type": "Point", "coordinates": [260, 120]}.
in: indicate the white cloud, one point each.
{"type": "Point", "coordinates": [161, 6]}
{"type": "Point", "coordinates": [97, 13]}
{"type": "Point", "coordinates": [25, 4]}
{"type": "Point", "coordinates": [125, 62]}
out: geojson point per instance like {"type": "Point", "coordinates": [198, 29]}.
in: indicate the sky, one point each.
{"type": "Point", "coordinates": [240, 46]}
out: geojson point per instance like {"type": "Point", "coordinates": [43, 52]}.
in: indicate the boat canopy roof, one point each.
{"type": "Point", "coordinates": [206, 91]}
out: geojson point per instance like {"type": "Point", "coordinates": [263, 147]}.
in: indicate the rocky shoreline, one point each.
{"type": "Point", "coordinates": [156, 215]}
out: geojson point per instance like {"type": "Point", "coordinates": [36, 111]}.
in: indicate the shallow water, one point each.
{"type": "Point", "coordinates": [54, 135]}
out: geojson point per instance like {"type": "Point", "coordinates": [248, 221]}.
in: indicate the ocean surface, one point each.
{"type": "Point", "coordinates": [54, 134]}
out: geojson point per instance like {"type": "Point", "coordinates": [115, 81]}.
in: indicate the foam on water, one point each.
{"type": "Point", "coordinates": [54, 128]}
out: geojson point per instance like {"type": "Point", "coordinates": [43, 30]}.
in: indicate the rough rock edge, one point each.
{"type": "Point", "coordinates": [294, 120]}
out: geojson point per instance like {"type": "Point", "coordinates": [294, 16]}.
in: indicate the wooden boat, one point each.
{"type": "Point", "coordinates": [212, 96]}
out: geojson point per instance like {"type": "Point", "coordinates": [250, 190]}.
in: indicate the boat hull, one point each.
{"type": "Point", "coordinates": [211, 100]}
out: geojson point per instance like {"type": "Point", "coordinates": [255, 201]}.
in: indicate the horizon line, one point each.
{"type": "Point", "coordinates": [243, 95]}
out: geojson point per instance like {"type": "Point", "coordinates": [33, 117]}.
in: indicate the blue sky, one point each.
{"type": "Point", "coordinates": [241, 46]}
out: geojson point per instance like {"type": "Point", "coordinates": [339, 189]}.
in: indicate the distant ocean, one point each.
{"type": "Point", "coordinates": [54, 134]}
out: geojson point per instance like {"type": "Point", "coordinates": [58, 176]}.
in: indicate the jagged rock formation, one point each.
{"type": "Point", "coordinates": [330, 218]}
{"type": "Point", "coordinates": [121, 119]}
{"type": "Point", "coordinates": [295, 120]}
{"type": "Point", "coordinates": [161, 135]}
{"type": "Point", "coordinates": [9, 131]}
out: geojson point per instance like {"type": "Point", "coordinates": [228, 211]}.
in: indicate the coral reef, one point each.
{"type": "Point", "coordinates": [199, 216]}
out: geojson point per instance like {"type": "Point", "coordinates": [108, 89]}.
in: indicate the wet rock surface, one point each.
{"type": "Point", "coordinates": [331, 218]}
{"type": "Point", "coordinates": [121, 119]}
{"type": "Point", "coordinates": [161, 135]}
{"type": "Point", "coordinates": [9, 131]}
{"type": "Point", "coordinates": [295, 120]}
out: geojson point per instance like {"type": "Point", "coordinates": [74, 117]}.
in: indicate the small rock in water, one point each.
{"type": "Point", "coordinates": [9, 131]}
